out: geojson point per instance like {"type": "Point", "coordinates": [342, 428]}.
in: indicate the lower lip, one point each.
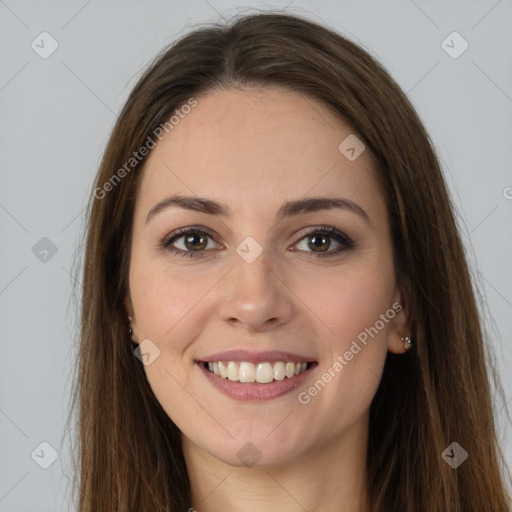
{"type": "Point", "coordinates": [248, 391]}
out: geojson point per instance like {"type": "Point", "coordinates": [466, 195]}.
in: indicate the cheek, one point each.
{"type": "Point", "coordinates": [167, 313]}
{"type": "Point", "coordinates": [354, 315]}
{"type": "Point", "coordinates": [165, 299]}
{"type": "Point", "coordinates": [345, 302]}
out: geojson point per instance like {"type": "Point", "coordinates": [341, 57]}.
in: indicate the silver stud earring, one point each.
{"type": "Point", "coordinates": [407, 342]}
{"type": "Point", "coordinates": [130, 327]}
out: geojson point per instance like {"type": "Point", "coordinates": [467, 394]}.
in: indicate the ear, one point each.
{"type": "Point", "coordinates": [400, 325]}
{"type": "Point", "coordinates": [131, 317]}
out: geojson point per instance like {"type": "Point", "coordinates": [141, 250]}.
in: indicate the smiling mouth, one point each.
{"type": "Point", "coordinates": [262, 373]}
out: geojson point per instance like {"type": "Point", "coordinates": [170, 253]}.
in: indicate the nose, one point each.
{"type": "Point", "coordinates": [256, 297]}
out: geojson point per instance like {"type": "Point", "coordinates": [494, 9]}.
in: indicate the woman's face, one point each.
{"type": "Point", "coordinates": [258, 283]}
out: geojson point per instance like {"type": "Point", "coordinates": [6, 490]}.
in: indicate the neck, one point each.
{"type": "Point", "coordinates": [328, 477]}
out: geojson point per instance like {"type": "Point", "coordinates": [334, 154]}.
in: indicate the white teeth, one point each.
{"type": "Point", "coordinates": [290, 370]}
{"type": "Point", "coordinates": [223, 369]}
{"type": "Point", "coordinates": [279, 370]}
{"type": "Point", "coordinates": [263, 373]}
{"type": "Point", "coordinates": [247, 372]}
{"type": "Point", "coordinates": [233, 370]}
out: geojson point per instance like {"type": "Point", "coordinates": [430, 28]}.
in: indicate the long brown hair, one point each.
{"type": "Point", "coordinates": [129, 455]}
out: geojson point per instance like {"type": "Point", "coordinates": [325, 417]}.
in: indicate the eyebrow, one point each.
{"type": "Point", "coordinates": [288, 209]}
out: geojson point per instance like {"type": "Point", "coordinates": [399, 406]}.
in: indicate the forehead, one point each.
{"type": "Point", "coordinates": [258, 145]}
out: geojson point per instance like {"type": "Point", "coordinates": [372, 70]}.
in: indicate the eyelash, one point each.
{"type": "Point", "coordinates": [331, 232]}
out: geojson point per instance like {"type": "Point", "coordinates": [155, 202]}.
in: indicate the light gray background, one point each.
{"type": "Point", "coordinates": [57, 113]}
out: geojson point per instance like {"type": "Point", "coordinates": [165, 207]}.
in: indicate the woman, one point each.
{"type": "Point", "coordinates": [277, 309]}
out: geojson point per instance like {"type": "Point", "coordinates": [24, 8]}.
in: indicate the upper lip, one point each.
{"type": "Point", "coordinates": [256, 357]}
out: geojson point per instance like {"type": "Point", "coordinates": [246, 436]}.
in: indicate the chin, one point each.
{"type": "Point", "coordinates": [262, 448]}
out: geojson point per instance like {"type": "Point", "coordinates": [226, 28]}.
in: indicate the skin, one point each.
{"type": "Point", "coordinates": [252, 150]}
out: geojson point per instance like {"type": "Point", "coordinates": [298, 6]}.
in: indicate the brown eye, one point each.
{"type": "Point", "coordinates": [195, 242]}
{"type": "Point", "coordinates": [190, 242]}
{"type": "Point", "coordinates": [318, 242]}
